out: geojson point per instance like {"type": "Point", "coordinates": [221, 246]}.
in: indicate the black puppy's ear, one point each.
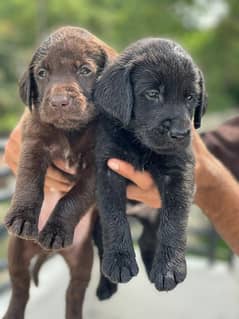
{"type": "Point", "coordinates": [26, 89]}
{"type": "Point", "coordinates": [202, 103]}
{"type": "Point", "coordinates": [113, 92]}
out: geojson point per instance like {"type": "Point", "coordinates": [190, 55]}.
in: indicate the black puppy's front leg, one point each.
{"type": "Point", "coordinates": [59, 230]}
{"type": "Point", "coordinates": [22, 217]}
{"type": "Point", "coordinates": [119, 263]}
{"type": "Point", "coordinates": [169, 265]}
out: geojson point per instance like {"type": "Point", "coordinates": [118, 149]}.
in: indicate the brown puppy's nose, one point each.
{"type": "Point", "coordinates": [61, 100]}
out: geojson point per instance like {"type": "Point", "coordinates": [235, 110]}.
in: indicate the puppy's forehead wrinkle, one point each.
{"type": "Point", "coordinates": [71, 86]}
{"type": "Point", "coordinates": [161, 58]}
{"type": "Point", "coordinates": [153, 48]}
{"type": "Point", "coordinates": [65, 61]}
{"type": "Point", "coordinates": [170, 76]}
{"type": "Point", "coordinates": [70, 39]}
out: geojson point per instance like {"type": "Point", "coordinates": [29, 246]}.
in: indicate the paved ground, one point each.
{"type": "Point", "coordinates": [208, 293]}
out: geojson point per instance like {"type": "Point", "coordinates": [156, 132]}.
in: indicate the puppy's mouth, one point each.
{"type": "Point", "coordinates": [163, 144]}
{"type": "Point", "coordinates": [75, 117]}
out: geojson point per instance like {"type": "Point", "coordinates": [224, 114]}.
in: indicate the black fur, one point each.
{"type": "Point", "coordinates": [105, 288]}
{"type": "Point", "coordinates": [147, 99]}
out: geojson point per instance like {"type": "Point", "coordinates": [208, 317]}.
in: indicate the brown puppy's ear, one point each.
{"type": "Point", "coordinates": [202, 103]}
{"type": "Point", "coordinates": [103, 61]}
{"type": "Point", "coordinates": [113, 93]}
{"type": "Point", "coordinates": [107, 53]}
{"type": "Point", "coordinates": [26, 89]}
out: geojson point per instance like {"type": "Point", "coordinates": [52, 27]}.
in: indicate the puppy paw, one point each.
{"type": "Point", "coordinates": [119, 266]}
{"type": "Point", "coordinates": [167, 273]}
{"type": "Point", "coordinates": [55, 235]}
{"type": "Point", "coordinates": [22, 224]}
{"type": "Point", "coordinates": [106, 289]}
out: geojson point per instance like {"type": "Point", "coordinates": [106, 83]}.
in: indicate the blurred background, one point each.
{"type": "Point", "coordinates": [209, 30]}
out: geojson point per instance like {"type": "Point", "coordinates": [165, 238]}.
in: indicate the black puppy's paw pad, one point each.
{"type": "Point", "coordinates": [119, 266]}
{"type": "Point", "coordinates": [55, 237]}
{"type": "Point", "coordinates": [166, 276]}
{"type": "Point", "coordinates": [21, 225]}
{"type": "Point", "coordinates": [106, 289]}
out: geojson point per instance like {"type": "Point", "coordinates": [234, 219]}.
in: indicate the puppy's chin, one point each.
{"type": "Point", "coordinates": [67, 119]}
{"type": "Point", "coordinates": [69, 125]}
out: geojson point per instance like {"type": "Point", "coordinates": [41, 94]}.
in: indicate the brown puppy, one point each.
{"type": "Point", "coordinates": [58, 88]}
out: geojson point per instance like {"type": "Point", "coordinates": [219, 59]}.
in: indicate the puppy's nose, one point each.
{"type": "Point", "coordinates": [61, 100]}
{"type": "Point", "coordinates": [179, 133]}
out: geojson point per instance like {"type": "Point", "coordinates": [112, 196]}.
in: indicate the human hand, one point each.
{"type": "Point", "coordinates": [144, 189]}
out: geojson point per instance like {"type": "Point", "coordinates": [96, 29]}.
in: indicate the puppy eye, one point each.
{"type": "Point", "coordinates": [42, 73]}
{"type": "Point", "coordinates": [84, 70]}
{"type": "Point", "coordinates": [152, 94]}
{"type": "Point", "coordinates": [189, 97]}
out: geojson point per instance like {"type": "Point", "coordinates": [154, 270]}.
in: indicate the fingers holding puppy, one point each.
{"type": "Point", "coordinates": [143, 188]}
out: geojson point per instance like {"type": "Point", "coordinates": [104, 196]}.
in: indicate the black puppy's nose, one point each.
{"type": "Point", "coordinates": [61, 100]}
{"type": "Point", "coordinates": [179, 133]}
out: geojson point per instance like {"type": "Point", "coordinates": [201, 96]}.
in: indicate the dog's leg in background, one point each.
{"type": "Point", "coordinates": [169, 265]}
{"type": "Point", "coordinates": [20, 253]}
{"type": "Point", "coordinates": [80, 260]}
{"type": "Point", "coordinates": [147, 240]}
{"type": "Point", "coordinates": [105, 288]}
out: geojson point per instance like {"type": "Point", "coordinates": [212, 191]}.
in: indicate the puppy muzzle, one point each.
{"type": "Point", "coordinates": [65, 106]}
{"type": "Point", "coordinates": [177, 129]}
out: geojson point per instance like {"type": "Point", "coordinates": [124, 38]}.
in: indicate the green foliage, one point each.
{"type": "Point", "coordinates": [23, 23]}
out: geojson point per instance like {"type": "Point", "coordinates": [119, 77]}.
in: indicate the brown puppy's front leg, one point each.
{"type": "Point", "coordinates": [22, 217]}
{"type": "Point", "coordinates": [59, 230]}
{"type": "Point", "coordinates": [20, 253]}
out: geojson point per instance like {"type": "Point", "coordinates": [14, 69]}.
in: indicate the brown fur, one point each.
{"type": "Point", "coordinates": [79, 259]}
{"type": "Point", "coordinates": [58, 89]}
{"type": "Point", "coordinates": [53, 130]}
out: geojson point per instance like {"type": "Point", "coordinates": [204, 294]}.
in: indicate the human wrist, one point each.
{"type": "Point", "coordinates": [208, 178]}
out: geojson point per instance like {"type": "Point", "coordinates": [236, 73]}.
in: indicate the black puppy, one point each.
{"type": "Point", "coordinates": [147, 99]}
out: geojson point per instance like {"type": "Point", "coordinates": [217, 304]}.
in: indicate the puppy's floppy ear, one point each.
{"type": "Point", "coordinates": [107, 55]}
{"type": "Point", "coordinates": [202, 103]}
{"type": "Point", "coordinates": [103, 61]}
{"type": "Point", "coordinates": [26, 89]}
{"type": "Point", "coordinates": [113, 92]}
